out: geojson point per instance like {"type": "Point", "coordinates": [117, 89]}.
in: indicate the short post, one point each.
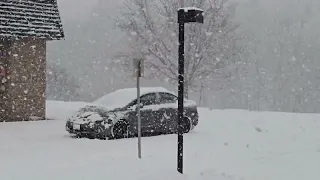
{"type": "Point", "coordinates": [138, 112]}
{"type": "Point", "coordinates": [185, 15]}
{"type": "Point", "coordinates": [138, 71]}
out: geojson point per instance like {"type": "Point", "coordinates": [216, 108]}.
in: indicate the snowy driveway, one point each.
{"type": "Point", "coordinates": [227, 145]}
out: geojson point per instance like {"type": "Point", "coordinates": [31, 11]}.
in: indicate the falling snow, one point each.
{"type": "Point", "coordinates": [71, 61]}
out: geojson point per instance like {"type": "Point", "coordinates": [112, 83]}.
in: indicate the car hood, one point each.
{"type": "Point", "coordinates": [92, 113]}
{"type": "Point", "coordinates": [85, 117]}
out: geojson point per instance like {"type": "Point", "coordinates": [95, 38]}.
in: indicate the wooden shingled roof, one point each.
{"type": "Point", "coordinates": [30, 18]}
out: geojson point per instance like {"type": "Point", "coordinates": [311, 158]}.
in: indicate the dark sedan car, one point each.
{"type": "Point", "coordinates": [114, 115]}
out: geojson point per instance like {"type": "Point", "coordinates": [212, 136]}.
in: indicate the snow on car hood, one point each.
{"type": "Point", "coordinates": [85, 117]}
{"type": "Point", "coordinates": [91, 119]}
{"type": "Point", "coordinates": [92, 114]}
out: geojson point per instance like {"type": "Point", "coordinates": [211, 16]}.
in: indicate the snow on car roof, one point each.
{"type": "Point", "coordinates": [186, 9]}
{"type": "Point", "coordinates": [122, 97]}
{"type": "Point", "coordinates": [143, 90]}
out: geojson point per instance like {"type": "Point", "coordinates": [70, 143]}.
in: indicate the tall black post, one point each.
{"type": "Point", "coordinates": [185, 15]}
{"type": "Point", "coordinates": [180, 90]}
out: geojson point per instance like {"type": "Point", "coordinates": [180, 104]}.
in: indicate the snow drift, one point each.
{"type": "Point", "coordinates": [227, 145]}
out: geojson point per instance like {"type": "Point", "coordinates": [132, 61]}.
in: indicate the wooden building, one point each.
{"type": "Point", "coordinates": [25, 28]}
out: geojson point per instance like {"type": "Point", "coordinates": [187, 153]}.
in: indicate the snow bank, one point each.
{"type": "Point", "coordinates": [226, 145]}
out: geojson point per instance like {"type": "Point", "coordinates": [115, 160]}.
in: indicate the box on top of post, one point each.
{"type": "Point", "coordinates": [190, 14]}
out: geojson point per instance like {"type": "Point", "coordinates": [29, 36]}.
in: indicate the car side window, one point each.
{"type": "Point", "coordinates": [148, 99]}
{"type": "Point", "coordinates": [167, 98]}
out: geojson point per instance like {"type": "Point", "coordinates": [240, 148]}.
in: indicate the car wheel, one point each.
{"type": "Point", "coordinates": [186, 125]}
{"type": "Point", "coordinates": [120, 130]}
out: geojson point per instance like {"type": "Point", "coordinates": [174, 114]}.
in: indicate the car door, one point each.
{"type": "Point", "coordinates": [168, 111]}
{"type": "Point", "coordinates": [149, 112]}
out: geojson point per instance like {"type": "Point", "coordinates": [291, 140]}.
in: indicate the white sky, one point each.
{"type": "Point", "coordinates": [73, 9]}
{"type": "Point", "coordinates": [80, 9]}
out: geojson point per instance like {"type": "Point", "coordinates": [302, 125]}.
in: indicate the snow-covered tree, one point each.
{"type": "Point", "coordinates": [153, 34]}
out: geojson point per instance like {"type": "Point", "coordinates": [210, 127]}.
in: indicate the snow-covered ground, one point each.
{"type": "Point", "coordinates": [227, 145]}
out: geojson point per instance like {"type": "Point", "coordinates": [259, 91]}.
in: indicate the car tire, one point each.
{"type": "Point", "coordinates": [186, 125]}
{"type": "Point", "coordinates": [120, 130]}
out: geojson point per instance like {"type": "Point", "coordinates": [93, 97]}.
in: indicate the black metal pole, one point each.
{"type": "Point", "coordinates": [180, 95]}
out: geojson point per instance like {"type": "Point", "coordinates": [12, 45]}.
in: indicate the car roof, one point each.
{"type": "Point", "coordinates": [122, 97]}
{"type": "Point", "coordinates": [144, 90]}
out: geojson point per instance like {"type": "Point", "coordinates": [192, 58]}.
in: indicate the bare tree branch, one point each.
{"type": "Point", "coordinates": [152, 25]}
